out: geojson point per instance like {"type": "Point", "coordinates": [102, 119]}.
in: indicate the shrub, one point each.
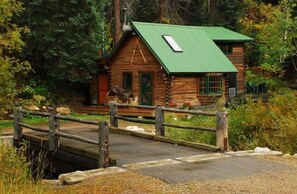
{"type": "Point", "coordinates": [272, 124]}
{"type": "Point", "coordinates": [15, 176]}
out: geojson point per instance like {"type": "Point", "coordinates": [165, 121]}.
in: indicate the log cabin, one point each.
{"type": "Point", "coordinates": [174, 65]}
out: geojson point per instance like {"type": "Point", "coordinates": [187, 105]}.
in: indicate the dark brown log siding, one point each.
{"type": "Point", "coordinates": [185, 89]}
{"type": "Point", "coordinates": [237, 58]}
{"type": "Point", "coordinates": [133, 56]}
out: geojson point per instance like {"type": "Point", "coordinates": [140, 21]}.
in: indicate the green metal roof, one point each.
{"type": "Point", "coordinates": [225, 35]}
{"type": "Point", "coordinates": [199, 53]}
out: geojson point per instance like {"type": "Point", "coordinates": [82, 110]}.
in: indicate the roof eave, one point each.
{"type": "Point", "coordinates": [235, 41]}
{"type": "Point", "coordinates": [195, 73]}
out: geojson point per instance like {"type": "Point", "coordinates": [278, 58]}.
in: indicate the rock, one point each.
{"type": "Point", "coordinates": [295, 156]}
{"type": "Point", "coordinates": [135, 128]}
{"type": "Point", "coordinates": [43, 109]}
{"type": "Point", "coordinates": [72, 178]}
{"type": "Point", "coordinates": [287, 155]}
{"type": "Point", "coordinates": [63, 110]}
{"type": "Point", "coordinates": [31, 107]}
{"type": "Point", "coordinates": [261, 150]}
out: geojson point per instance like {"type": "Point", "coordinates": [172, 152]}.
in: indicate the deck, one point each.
{"type": "Point", "coordinates": [123, 111]}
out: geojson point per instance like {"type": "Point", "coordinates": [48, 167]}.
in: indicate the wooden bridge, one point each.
{"type": "Point", "coordinates": [93, 144]}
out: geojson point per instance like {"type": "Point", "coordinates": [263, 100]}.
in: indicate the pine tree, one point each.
{"type": "Point", "coordinates": [65, 37]}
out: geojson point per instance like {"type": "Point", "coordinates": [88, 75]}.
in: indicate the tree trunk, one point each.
{"type": "Point", "coordinates": [161, 10]}
{"type": "Point", "coordinates": [117, 21]}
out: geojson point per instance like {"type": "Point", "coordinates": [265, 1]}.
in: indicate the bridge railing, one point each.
{"type": "Point", "coordinates": [221, 129]}
{"type": "Point", "coordinates": [54, 132]}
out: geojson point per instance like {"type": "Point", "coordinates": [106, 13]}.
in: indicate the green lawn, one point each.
{"type": "Point", "coordinates": [6, 124]}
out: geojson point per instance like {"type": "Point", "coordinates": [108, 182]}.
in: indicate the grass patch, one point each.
{"type": "Point", "coordinates": [15, 176]}
{"type": "Point", "coordinates": [35, 120]}
{"type": "Point", "coordinates": [5, 124]}
{"type": "Point", "coordinates": [188, 134]}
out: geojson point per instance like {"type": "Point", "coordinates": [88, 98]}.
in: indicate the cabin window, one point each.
{"type": "Point", "coordinates": [211, 85]}
{"type": "Point", "coordinates": [127, 80]}
{"type": "Point", "coordinates": [227, 49]}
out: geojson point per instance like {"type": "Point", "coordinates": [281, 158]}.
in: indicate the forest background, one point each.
{"type": "Point", "coordinates": [49, 49]}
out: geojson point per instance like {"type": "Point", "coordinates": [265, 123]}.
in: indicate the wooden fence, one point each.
{"type": "Point", "coordinates": [54, 132]}
{"type": "Point", "coordinates": [221, 129]}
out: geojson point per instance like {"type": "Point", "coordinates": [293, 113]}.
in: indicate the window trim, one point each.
{"type": "Point", "coordinates": [206, 79]}
{"type": "Point", "coordinates": [125, 81]}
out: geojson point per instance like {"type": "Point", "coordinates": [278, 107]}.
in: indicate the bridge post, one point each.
{"type": "Point", "coordinates": [17, 132]}
{"type": "Point", "coordinates": [159, 117]}
{"type": "Point", "coordinates": [113, 113]}
{"type": "Point", "coordinates": [103, 160]}
{"type": "Point", "coordinates": [54, 126]}
{"type": "Point", "coordinates": [222, 131]}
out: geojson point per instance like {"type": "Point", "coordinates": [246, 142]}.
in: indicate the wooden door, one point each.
{"type": "Point", "coordinates": [146, 89]}
{"type": "Point", "coordinates": [102, 87]}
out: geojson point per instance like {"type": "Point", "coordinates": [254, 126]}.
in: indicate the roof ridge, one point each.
{"type": "Point", "coordinates": [172, 25]}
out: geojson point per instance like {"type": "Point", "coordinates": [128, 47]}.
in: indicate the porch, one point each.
{"type": "Point", "coordinates": [124, 111]}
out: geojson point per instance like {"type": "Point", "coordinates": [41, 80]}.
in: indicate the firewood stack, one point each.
{"type": "Point", "coordinates": [120, 95]}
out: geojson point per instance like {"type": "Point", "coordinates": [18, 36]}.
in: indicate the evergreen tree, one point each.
{"type": "Point", "coordinates": [65, 37]}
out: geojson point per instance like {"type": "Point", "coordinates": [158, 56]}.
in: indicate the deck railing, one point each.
{"type": "Point", "coordinates": [221, 129]}
{"type": "Point", "coordinates": [54, 132]}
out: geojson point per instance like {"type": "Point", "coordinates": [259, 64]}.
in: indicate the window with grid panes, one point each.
{"type": "Point", "coordinates": [211, 85]}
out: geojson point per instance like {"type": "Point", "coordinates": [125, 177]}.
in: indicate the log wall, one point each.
{"type": "Point", "coordinates": [185, 89]}
{"type": "Point", "coordinates": [134, 56]}
{"type": "Point", "coordinates": [237, 58]}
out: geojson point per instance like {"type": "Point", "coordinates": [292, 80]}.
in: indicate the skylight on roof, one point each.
{"type": "Point", "coordinates": [172, 43]}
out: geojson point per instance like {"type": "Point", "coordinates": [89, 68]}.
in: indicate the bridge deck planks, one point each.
{"type": "Point", "coordinates": [124, 148]}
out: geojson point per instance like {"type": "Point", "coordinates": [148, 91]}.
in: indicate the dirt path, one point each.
{"type": "Point", "coordinates": [133, 183]}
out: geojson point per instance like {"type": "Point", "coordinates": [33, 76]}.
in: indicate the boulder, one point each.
{"type": "Point", "coordinates": [72, 178]}
{"type": "Point", "coordinates": [287, 156]}
{"type": "Point", "coordinates": [31, 107]}
{"type": "Point", "coordinates": [63, 110]}
{"type": "Point", "coordinates": [262, 150]}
